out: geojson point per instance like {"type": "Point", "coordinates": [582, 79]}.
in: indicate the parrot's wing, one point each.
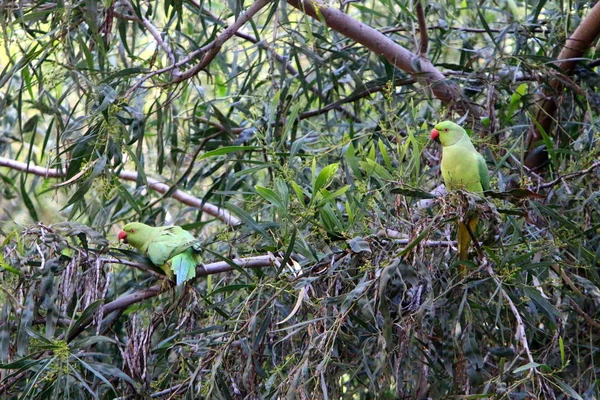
{"type": "Point", "coordinates": [170, 242]}
{"type": "Point", "coordinates": [483, 172]}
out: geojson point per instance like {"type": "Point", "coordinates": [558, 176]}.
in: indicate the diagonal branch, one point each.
{"type": "Point", "coordinates": [214, 47]}
{"type": "Point", "coordinates": [207, 52]}
{"type": "Point", "coordinates": [282, 60]}
{"type": "Point", "coordinates": [153, 184]}
{"type": "Point", "coordinates": [419, 67]}
{"type": "Point", "coordinates": [570, 176]}
{"type": "Point", "coordinates": [353, 97]}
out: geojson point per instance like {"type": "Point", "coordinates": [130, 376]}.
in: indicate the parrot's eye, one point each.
{"type": "Point", "coordinates": [446, 130]}
{"type": "Point", "coordinates": [132, 231]}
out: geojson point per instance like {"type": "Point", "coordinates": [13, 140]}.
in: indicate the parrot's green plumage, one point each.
{"type": "Point", "coordinates": [462, 168]}
{"type": "Point", "coordinates": [171, 248]}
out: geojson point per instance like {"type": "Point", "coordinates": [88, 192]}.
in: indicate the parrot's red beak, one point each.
{"type": "Point", "coordinates": [434, 134]}
{"type": "Point", "coordinates": [122, 236]}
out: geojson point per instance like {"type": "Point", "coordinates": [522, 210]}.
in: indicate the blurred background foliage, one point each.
{"type": "Point", "coordinates": [320, 149]}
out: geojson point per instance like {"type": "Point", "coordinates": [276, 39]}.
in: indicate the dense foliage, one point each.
{"type": "Point", "coordinates": [300, 155]}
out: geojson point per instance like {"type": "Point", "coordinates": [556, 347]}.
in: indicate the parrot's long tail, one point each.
{"type": "Point", "coordinates": [184, 266]}
{"type": "Point", "coordinates": [464, 239]}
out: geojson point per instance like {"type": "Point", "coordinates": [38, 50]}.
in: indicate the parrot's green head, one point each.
{"type": "Point", "coordinates": [136, 234]}
{"type": "Point", "coordinates": [447, 132]}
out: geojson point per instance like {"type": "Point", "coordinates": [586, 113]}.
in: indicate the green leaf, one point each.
{"type": "Point", "coordinates": [325, 176]}
{"type": "Point", "coordinates": [270, 196]}
{"type": "Point", "coordinates": [551, 312]}
{"type": "Point", "coordinates": [371, 168]}
{"type": "Point", "coordinates": [85, 317]}
{"type": "Point", "coordinates": [411, 192]}
{"type": "Point", "coordinates": [568, 390]}
{"type": "Point", "coordinates": [226, 150]}
{"type": "Point", "coordinates": [526, 367]}
{"type": "Point", "coordinates": [359, 244]}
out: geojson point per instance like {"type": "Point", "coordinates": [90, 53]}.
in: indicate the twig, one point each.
{"type": "Point", "coordinates": [569, 176]}
{"type": "Point", "coordinates": [167, 391]}
{"type": "Point", "coordinates": [466, 29]}
{"type": "Point", "coordinates": [119, 304]}
{"type": "Point", "coordinates": [209, 51]}
{"type": "Point", "coordinates": [588, 319]}
{"type": "Point", "coordinates": [521, 335]}
{"type": "Point", "coordinates": [154, 184]}
{"type": "Point", "coordinates": [353, 97]}
{"type": "Point", "coordinates": [281, 59]}
{"type": "Point", "coordinates": [157, 37]}
{"type": "Point", "coordinates": [397, 239]}
{"type": "Point", "coordinates": [214, 47]}
{"type": "Point", "coordinates": [221, 128]}
{"type": "Point", "coordinates": [8, 383]}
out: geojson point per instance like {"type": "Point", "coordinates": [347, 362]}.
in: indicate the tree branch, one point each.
{"type": "Point", "coordinates": [214, 47]}
{"type": "Point", "coordinates": [154, 184]}
{"type": "Point", "coordinates": [207, 52]}
{"type": "Point", "coordinates": [156, 35]}
{"type": "Point", "coordinates": [424, 37]}
{"type": "Point", "coordinates": [280, 59]}
{"type": "Point", "coordinates": [353, 97]}
{"type": "Point", "coordinates": [575, 47]}
{"type": "Point", "coordinates": [570, 176]}
{"type": "Point", "coordinates": [203, 270]}
{"type": "Point", "coordinates": [419, 67]}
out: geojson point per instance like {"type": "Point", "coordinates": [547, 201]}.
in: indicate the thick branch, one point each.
{"type": "Point", "coordinates": [154, 184]}
{"type": "Point", "coordinates": [423, 36]}
{"type": "Point", "coordinates": [419, 67]}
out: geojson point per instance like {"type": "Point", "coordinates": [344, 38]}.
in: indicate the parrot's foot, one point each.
{"type": "Point", "coordinates": [166, 284]}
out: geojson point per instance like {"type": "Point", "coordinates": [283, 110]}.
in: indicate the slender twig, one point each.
{"type": "Point", "coordinates": [214, 47]}
{"type": "Point", "coordinates": [209, 51]}
{"type": "Point", "coordinates": [9, 382]}
{"type": "Point", "coordinates": [467, 29]}
{"type": "Point", "coordinates": [166, 391]}
{"type": "Point", "coordinates": [570, 176]}
{"type": "Point", "coordinates": [283, 61]}
{"type": "Point", "coordinates": [353, 97]}
{"type": "Point", "coordinates": [154, 184]}
{"type": "Point", "coordinates": [592, 322]}
{"type": "Point", "coordinates": [221, 128]}
{"type": "Point", "coordinates": [188, 170]}
{"type": "Point", "coordinates": [157, 37]}
{"type": "Point", "coordinates": [520, 335]}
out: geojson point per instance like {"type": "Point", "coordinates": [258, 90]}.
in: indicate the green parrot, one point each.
{"type": "Point", "coordinates": [171, 248]}
{"type": "Point", "coordinates": [462, 168]}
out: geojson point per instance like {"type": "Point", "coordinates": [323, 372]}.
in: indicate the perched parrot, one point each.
{"type": "Point", "coordinates": [462, 168]}
{"type": "Point", "coordinates": [171, 248]}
